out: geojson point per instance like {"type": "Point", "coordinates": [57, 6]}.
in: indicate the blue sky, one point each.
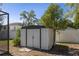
{"type": "Point", "coordinates": [14, 9]}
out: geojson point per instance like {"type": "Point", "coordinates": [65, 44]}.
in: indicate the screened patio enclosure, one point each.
{"type": "Point", "coordinates": [4, 32]}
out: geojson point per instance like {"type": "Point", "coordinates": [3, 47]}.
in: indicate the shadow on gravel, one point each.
{"type": "Point", "coordinates": [5, 54]}
{"type": "Point", "coordinates": [62, 51]}
{"type": "Point", "coordinates": [58, 50]}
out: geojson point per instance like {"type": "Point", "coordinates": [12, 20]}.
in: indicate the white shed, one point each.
{"type": "Point", "coordinates": [37, 37]}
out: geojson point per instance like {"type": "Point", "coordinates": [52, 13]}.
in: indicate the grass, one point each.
{"type": "Point", "coordinates": [5, 42]}
{"type": "Point", "coordinates": [4, 47]}
{"type": "Point", "coordinates": [11, 42]}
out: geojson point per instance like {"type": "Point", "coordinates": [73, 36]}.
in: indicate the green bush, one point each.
{"type": "Point", "coordinates": [16, 41]}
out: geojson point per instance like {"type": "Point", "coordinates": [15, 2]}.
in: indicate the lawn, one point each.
{"type": "Point", "coordinates": [3, 42]}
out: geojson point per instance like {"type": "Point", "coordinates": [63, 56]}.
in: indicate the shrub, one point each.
{"type": "Point", "coordinates": [16, 41]}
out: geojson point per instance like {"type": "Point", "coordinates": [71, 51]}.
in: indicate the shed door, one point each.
{"type": "Point", "coordinates": [29, 37]}
{"type": "Point", "coordinates": [33, 38]}
{"type": "Point", "coordinates": [36, 38]}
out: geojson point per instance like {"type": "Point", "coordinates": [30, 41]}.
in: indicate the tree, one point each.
{"type": "Point", "coordinates": [53, 18]}
{"type": "Point", "coordinates": [74, 13]}
{"type": "Point", "coordinates": [29, 18]}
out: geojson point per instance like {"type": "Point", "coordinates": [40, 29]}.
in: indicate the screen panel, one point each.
{"type": "Point", "coordinates": [4, 33]}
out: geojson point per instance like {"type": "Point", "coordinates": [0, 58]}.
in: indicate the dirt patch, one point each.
{"type": "Point", "coordinates": [58, 50]}
{"type": "Point", "coordinates": [15, 51]}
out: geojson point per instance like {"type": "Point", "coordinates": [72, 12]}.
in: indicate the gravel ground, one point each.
{"type": "Point", "coordinates": [58, 50]}
{"type": "Point", "coordinates": [16, 52]}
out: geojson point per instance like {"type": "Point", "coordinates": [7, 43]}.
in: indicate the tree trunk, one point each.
{"type": "Point", "coordinates": [54, 37]}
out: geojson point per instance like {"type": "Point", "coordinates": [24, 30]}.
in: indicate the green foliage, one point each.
{"type": "Point", "coordinates": [76, 25]}
{"type": "Point", "coordinates": [53, 17]}
{"type": "Point", "coordinates": [62, 24]}
{"type": "Point", "coordinates": [16, 41]}
{"type": "Point", "coordinates": [74, 13]}
{"type": "Point", "coordinates": [29, 18]}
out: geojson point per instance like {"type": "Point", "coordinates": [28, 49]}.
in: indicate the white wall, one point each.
{"type": "Point", "coordinates": [12, 34]}
{"type": "Point", "coordinates": [14, 27]}
{"type": "Point", "coordinates": [23, 37]}
{"type": "Point", "coordinates": [4, 34]}
{"type": "Point", "coordinates": [68, 35]}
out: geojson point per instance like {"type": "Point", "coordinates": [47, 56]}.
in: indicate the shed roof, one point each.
{"type": "Point", "coordinates": [34, 27]}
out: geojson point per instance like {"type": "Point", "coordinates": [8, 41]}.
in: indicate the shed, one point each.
{"type": "Point", "coordinates": [37, 37]}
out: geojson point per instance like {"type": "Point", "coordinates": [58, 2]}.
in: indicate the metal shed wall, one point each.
{"type": "Point", "coordinates": [23, 37]}
{"type": "Point", "coordinates": [41, 38]}
{"type": "Point", "coordinates": [46, 38]}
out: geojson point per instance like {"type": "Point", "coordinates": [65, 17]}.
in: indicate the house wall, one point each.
{"type": "Point", "coordinates": [12, 31]}
{"type": "Point", "coordinates": [4, 34]}
{"type": "Point", "coordinates": [68, 35]}
{"type": "Point", "coordinates": [14, 27]}
{"type": "Point", "coordinates": [12, 34]}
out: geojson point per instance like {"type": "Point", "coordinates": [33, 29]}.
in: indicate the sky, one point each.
{"type": "Point", "coordinates": [14, 9]}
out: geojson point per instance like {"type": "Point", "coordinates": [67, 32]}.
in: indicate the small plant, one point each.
{"type": "Point", "coordinates": [16, 41]}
